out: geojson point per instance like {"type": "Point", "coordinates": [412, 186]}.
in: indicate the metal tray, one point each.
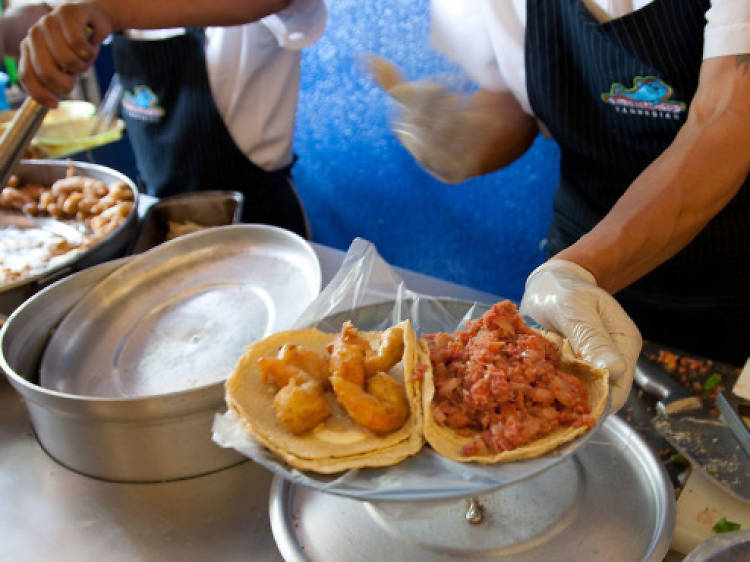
{"type": "Point", "coordinates": [179, 316]}
{"type": "Point", "coordinates": [206, 208]}
{"type": "Point", "coordinates": [426, 475]}
{"type": "Point", "coordinates": [610, 501]}
{"type": "Point", "coordinates": [47, 172]}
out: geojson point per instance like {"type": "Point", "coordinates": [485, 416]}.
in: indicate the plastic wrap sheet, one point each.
{"type": "Point", "coordinates": [367, 291]}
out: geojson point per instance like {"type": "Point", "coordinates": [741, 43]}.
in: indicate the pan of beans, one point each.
{"type": "Point", "coordinates": [58, 217]}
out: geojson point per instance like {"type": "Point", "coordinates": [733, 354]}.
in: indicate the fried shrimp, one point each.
{"type": "Point", "coordinates": [348, 356]}
{"type": "Point", "coordinates": [382, 407]}
{"type": "Point", "coordinates": [294, 361]}
{"type": "Point", "coordinates": [389, 352]}
{"type": "Point", "coordinates": [273, 369]}
{"type": "Point", "coordinates": [313, 363]}
{"type": "Point", "coordinates": [301, 405]}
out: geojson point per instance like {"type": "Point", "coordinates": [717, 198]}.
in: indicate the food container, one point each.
{"type": "Point", "coordinates": [204, 208]}
{"type": "Point", "coordinates": [67, 110]}
{"type": "Point", "coordinates": [156, 425]}
{"type": "Point", "coordinates": [46, 172]}
{"type": "Point", "coordinates": [141, 439]}
{"type": "Point", "coordinates": [62, 138]}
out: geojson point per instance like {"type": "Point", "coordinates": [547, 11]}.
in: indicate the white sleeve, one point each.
{"type": "Point", "coordinates": [299, 25]}
{"type": "Point", "coordinates": [457, 30]}
{"type": "Point", "coordinates": [727, 29]}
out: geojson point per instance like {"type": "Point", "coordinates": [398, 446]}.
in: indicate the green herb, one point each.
{"type": "Point", "coordinates": [11, 68]}
{"type": "Point", "coordinates": [678, 460]}
{"type": "Point", "coordinates": [724, 526]}
{"type": "Point", "coordinates": [712, 381]}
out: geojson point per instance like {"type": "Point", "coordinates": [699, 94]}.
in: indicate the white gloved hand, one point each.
{"type": "Point", "coordinates": [433, 124]}
{"type": "Point", "coordinates": [563, 296]}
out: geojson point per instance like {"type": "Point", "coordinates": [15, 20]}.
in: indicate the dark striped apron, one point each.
{"type": "Point", "coordinates": [614, 96]}
{"type": "Point", "coordinates": [179, 138]}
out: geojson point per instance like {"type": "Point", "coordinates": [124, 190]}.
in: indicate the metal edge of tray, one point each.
{"type": "Point", "coordinates": [282, 521]}
{"type": "Point", "coordinates": [662, 487]}
{"type": "Point", "coordinates": [282, 527]}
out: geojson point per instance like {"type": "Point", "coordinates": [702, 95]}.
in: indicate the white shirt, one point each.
{"type": "Point", "coordinates": [253, 71]}
{"type": "Point", "coordinates": [486, 37]}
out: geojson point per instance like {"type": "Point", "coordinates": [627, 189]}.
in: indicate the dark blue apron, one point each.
{"type": "Point", "coordinates": [614, 95]}
{"type": "Point", "coordinates": [179, 138]}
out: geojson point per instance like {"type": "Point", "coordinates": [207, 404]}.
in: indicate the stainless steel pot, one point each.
{"type": "Point", "coordinates": [46, 172]}
{"type": "Point", "coordinates": [148, 439]}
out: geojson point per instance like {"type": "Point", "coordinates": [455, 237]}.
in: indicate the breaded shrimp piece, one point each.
{"type": "Point", "coordinates": [382, 407]}
{"type": "Point", "coordinates": [273, 369]}
{"type": "Point", "coordinates": [389, 352]}
{"type": "Point", "coordinates": [313, 363]}
{"type": "Point", "coordinates": [348, 356]}
{"type": "Point", "coordinates": [300, 405]}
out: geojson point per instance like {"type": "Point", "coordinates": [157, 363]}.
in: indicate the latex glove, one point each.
{"type": "Point", "coordinates": [433, 124]}
{"type": "Point", "coordinates": [563, 296]}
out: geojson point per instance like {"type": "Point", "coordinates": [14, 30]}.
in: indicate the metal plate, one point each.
{"type": "Point", "coordinates": [179, 316]}
{"type": "Point", "coordinates": [726, 547]}
{"type": "Point", "coordinates": [610, 501]}
{"type": "Point", "coordinates": [426, 475]}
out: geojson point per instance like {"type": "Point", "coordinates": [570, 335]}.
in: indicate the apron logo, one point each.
{"type": "Point", "coordinates": [649, 96]}
{"type": "Point", "coordinates": [141, 104]}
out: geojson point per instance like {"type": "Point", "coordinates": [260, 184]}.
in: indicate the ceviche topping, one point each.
{"type": "Point", "coordinates": [498, 382]}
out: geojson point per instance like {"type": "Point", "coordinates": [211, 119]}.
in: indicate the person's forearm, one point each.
{"type": "Point", "coordinates": [682, 190]}
{"type": "Point", "coordinates": [506, 132]}
{"type": "Point", "coordinates": [157, 14]}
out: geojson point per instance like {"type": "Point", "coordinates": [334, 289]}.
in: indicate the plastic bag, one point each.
{"type": "Point", "coordinates": [367, 291]}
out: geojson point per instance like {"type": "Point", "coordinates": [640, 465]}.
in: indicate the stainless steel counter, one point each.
{"type": "Point", "coordinates": [48, 512]}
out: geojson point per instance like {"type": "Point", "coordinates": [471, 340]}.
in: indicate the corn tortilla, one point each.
{"type": "Point", "coordinates": [446, 442]}
{"type": "Point", "coordinates": [338, 443]}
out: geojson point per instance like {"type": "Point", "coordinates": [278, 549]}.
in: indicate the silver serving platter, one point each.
{"type": "Point", "coordinates": [610, 501]}
{"type": "Point", "coordinates": [46, 172]}
{"type": "Point", "coordinates": [179, 316]}
{"type": "Point", "coordinates": [426, 475]}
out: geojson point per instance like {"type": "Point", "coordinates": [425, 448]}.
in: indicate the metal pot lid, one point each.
{"type": "Point", "coordinates": [180, 316]}
{"type": "Point", "coordinates": [611, 501]}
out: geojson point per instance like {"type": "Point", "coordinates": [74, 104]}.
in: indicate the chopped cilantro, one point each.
{"type": "Point", "coordinates": [678, 460]}
{"type": "Point", "coordinates": [712, 381]}
{"type": "Point", "coordinates": [724, 526]}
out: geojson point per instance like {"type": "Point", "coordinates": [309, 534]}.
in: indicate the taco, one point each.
{"type": "Point", "coordinates": [501, 391]}
{"type": "Point", "coordinates": [329, 402]}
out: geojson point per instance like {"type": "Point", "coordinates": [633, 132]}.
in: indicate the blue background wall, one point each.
{"type": "Point", "coordinates": [355, 179]}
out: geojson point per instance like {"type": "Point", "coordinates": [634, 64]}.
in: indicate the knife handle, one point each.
{"type": "Point", "coordinates": [654, 380]}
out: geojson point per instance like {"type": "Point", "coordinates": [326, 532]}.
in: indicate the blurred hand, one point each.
{"type": "Point", "coordinates": [59, 47]}
{"type": "Point", "coordinates": [16, 22]}
{"type": "Point", "coordinates": [563, 296]}
{"type": "Point", "coordinates": [433, 124]}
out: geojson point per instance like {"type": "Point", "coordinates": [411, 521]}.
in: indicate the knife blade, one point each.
{"type": "Point", "coordinates": [706, 442]}
{"type": "Point", "coordinates": [733, 409]}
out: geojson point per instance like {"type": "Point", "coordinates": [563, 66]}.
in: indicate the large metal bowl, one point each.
{"type": "Point", "coordinates": [46, 172]}
{"type": "Point", "coordinates": [147, 439]}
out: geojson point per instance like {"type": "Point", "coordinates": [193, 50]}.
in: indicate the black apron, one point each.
{"type": "Point", "coordinates": [614, 95]}
{"type": "Point", "coordinates": [179, 138]}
